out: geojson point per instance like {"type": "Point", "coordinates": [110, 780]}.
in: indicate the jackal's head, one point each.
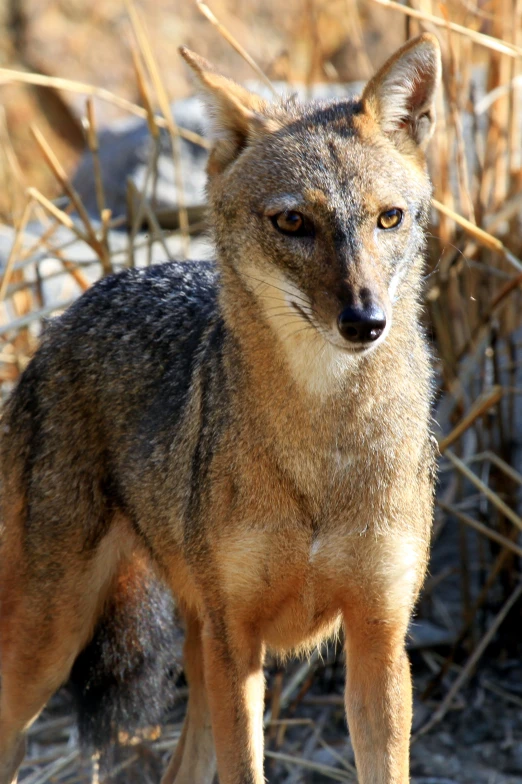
{"type": "Point", "coordinates": [319, 210]}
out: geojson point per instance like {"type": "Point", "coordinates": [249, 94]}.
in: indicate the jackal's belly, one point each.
{"type": "Point", "coordinates": [299, 622]}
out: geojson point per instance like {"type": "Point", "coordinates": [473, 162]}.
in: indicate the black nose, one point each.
{"type": "Point", "coordinates": [362, 325]}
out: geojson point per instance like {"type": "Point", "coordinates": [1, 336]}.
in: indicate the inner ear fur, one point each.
{"type": "Point", "coordinates": [401, 95]}
{"type": "Point", "coordinates": [237, 116]}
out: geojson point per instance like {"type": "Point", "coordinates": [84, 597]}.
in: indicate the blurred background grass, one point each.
{"type": "Point", "coordinates": [467, 639]}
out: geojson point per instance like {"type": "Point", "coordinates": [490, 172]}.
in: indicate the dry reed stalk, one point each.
{"type": "Point", "coordinates": [18, 239]}
{"type": "Point", "coordinates": [76, 274]}
{"type": "Point", "coordinates": [156, 234]}
{"type": "Point", "coordinates": [144, 89]}
{"type": "Point", "coordinates": [14, 179]}
{"type": "Point", "coordinates": [505, 467]}
{"type": "Point", "coordinates": [35, 315]}
{"type": "Point", "coordinates": [485, 103]}
{"type": "Point", "coordinates": [29, 252]}
{"type": "Point", "coordinates": [318, 767]}
{"type": "Point", "coordinates": [94, 146]}
{"type": "Point", "coordinates": [445, 342]}
{"type": "Point", "coordinates": [16, 169]}
{"type": "Point", "coordinates": [275, 707]}
{"type": "Point", "coordinates": [480, 407]}
{"type": "Point", "coordinates": [8, 75]}
{"type": "Point", "coordinates": [335, 754]}
{"type": "Point", "coordinates": [472, 661]}
{"type": "Point", "coordinates": [59, 172]}
{"type": "Point", "coordinates": [480, 235]}
{"type": "Point", "coordinates": [152, 167]}
{"type": "Point", "coordinates": [483, 324]}
{"type": "Point", "coordinates": [296, 680]}
{"type": "Point", "coordinates": [357, 39]}
{"type": "Point", "coordinates": [234, 43]}
{"type": "Point", "coordinates": [499, 68]}
{"type": "Point", "coordinates": [143, 42]}
{"type": "Point", "coordinates": [453, 92]}
{"type": "Point", "coordinates": [441, 180]}
{"type": "Point", "coordinates": [480, 485]}
{"type": "Point", "coordinates": [488, 41]}
{"type": "Point", "coordinates": [515, 102]}
{"type": "Point", "coordinates": [43, 777]}
{"type": "Point", "coordinates": [137, 202]}
{"type": "Point", "coordinates": [61, 216]}
{"type": "Point", "coordinates": [68, 265]}
{"type": "Point", "coordinates": [490, 533]}
{"type": "Point", "coordinates": [494, 572]}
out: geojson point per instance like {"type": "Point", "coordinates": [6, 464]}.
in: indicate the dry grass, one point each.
{"type": "Point", "coordinates": [473, 306]}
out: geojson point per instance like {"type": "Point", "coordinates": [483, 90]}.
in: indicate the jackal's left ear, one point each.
{"type": "Point", "coordinates": [236, 115]}
{"type": "Point", "coordinates": [401, 95]}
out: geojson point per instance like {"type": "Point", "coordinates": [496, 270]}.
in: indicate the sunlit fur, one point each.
{"type": "Point", "coordinates": [210, 422]}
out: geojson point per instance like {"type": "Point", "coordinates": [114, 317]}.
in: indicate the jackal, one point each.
{"type": "Point", "coordinates": [256, 430]}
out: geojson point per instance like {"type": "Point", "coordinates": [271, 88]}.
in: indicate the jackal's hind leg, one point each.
{"type": "Point", "coordinates": [48, 613]}
{"type": "Point", "coordinates": [31, 671]}
{"type": "Point", "coordinates": [193, 761]}
{"type": "Point", "coordinates": [12, 753]}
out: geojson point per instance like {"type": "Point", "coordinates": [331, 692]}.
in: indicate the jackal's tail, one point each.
{"type": "Point", "coordinates": [125, 678]}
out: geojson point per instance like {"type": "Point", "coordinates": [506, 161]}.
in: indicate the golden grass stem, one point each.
{"type": "Point", "coordinates": [481, 528]}
{"type": "Point", "coordinates": [478, 409]}
{"type": "Point", "coordinates": [70, 190]}
{"type": "Point", "coordinates": [143, 87]}
{"type": "Point", "coordinates": [479, 38]}
{"type": "Point", "coordinates": [35, 315]}
{"type": "Point", "coordinates": [164, 103]}
{"type": "Point", "coordinates": [57, 213]}
{"type": "Point", "coordinates": [483, 488]}
{"type": "Point", "coordinates": [6, 277]}
{"type": "Point", "coordinates": [234, 43]}
{"type": "Point", "coordinates": [481, 236]}
{"type": "Point", "coordinates": [319, 767]}
{"type": "Point", "coordinates": [10, 75]}
{"type": "Point", "coordinates": [94, 147]}
{"type": "Point", "coordinates": [472, 661]}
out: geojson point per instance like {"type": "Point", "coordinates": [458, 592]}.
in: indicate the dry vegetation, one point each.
{"type": "Point", "coordinates": [473, 313]}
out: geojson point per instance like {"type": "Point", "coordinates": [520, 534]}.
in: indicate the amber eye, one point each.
{"type": "Point", "coordinates": [292, 223]}
{"type": "Point", "coordinates": [390, 219]}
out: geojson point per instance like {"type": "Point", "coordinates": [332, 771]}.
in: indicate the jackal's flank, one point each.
{"type": "Point", "coordinates": [256, 431]}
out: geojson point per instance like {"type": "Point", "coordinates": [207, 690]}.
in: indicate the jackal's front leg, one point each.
{"type": "Point", "coordinates": [378, 698]}
{"type": "Point", "coordinates": [233, 660]}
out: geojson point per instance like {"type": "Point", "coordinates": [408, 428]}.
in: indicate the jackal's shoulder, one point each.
{"type": "Point", "coordinates": [138, 315]}
{"type": "Point", "coordinates": [170, 299]}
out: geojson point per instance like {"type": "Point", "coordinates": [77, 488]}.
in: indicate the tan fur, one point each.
{"type": "Point", "coordinates": [305, 462]}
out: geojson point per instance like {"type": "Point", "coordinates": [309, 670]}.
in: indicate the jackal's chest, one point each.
{"type": "Point", "coordinates": [290, 584]}
{"type": "Point", "coordinates": [293, 584]}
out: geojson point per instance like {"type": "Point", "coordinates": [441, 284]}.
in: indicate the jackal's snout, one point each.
{"type": "Point", "coordinates": [362, 324]}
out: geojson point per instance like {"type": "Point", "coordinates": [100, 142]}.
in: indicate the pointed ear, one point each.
{"type": "Point", "coordinates": [401, 96]}
{"type": "Point", "coordinates": [237, 116]}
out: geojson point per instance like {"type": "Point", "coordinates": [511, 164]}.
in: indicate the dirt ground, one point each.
{"type": "Point", "coordinates": [479, 741]}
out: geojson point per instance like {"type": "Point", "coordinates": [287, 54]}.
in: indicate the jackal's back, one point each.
{"type": "Point", "coordinates": [105, 398]}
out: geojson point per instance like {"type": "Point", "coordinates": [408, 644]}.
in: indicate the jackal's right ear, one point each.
{"type": "Point", "coordinates": [237, 116]}
{"type": "Point", "coordinates": [401, 96]}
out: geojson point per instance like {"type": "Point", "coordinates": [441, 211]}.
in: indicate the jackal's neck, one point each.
{"type": "Point", "coordinates": [318, 416]}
